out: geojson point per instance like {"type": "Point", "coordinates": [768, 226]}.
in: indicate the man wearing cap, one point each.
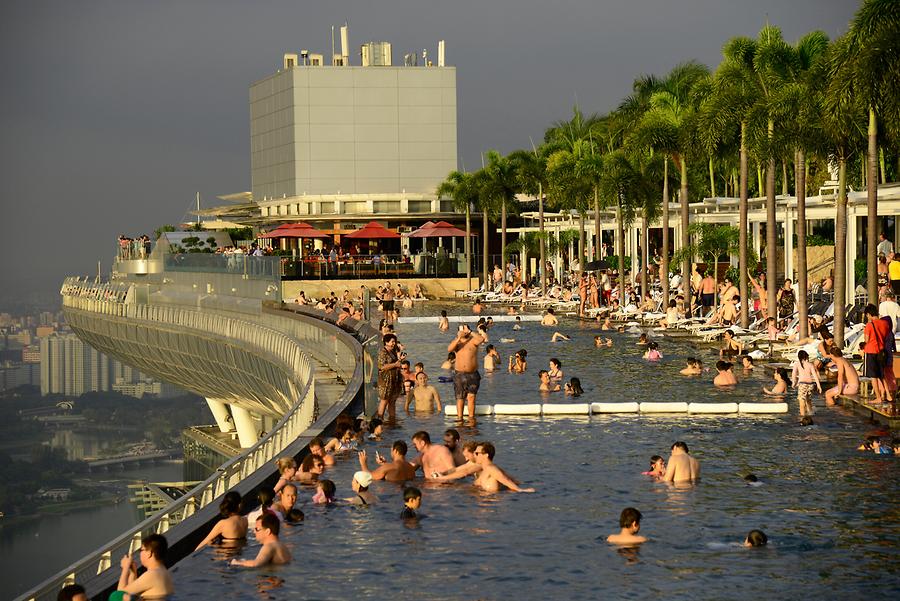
{"type": "Point", "coordinates": [361, 482]}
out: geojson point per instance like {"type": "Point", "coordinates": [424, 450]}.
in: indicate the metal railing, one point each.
{"type": "Point", "coordinates": [297, 420]}
{"type": "Point", "coordinates": [248, 266]}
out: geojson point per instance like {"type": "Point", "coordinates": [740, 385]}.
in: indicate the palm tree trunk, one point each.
{"type": "Point", "coordinates": [541, 242]}
{"type": "Point", "coordinates": [881, 164]}
{"type": "Point", "coordinates": [645, 254]}
{"type": "Point", "coordinates": [503, 231]}
{"type": "Point", "coordinates": [743, 266]}
{"type": "Point", "coordinates": [485, 271]}
{"type": "Point", "coordinates": [581, 241]}
{"type": "Point", "coordinates": [840, 254]}
{"type": "Point", "coordinates": [771, 236]}
{"type": "Point", "coordinates": [872, 202]}
{"type": "Point", "coordinates": [664, 263]}
{"type": "Point", "coordinates": [596, 224]}
{"type": "Point", "coordinates": [802, 283]}
{"type": "Point", "coordinates": [468, 248]}
{"type": "Point", "coordinates": [712, 179]}
{"type": "Point", "coordinates": [784, 178]}
{"type": "Point", "coordinates": [759, 182]}
{"type": "Point", "coordinates": [685, 237]}
{"type": "Point", "coordinates": [620, 224]}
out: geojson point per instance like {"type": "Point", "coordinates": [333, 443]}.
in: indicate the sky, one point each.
{"type": "Point", "coordinates": [115, 113]}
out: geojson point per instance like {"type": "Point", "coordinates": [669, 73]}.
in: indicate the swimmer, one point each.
{"type": "Point", "coordinates": [397, 470]}
{"type": "Point", "coordinates": [630, 522]}
{"type": "Point", "coordinates": [477, 307]}
{"type": "Point", "coordinates": [507, 340]}
{"type": "Point", "coordinates": [425, 396]}
{"type": "Point", "coordinates": [491, 358]}
{"type": "Point", "coordinates": [756, 538]}
{"type": "Point", "coordinates": [725, 377]}
{"type": "Point", "coordinates": [316, 447]}
{"type": "Point", "coordinates": [607, 325]}
{"type": "Point", "coordinates": [310, 469]}
{"type": "Point", "coordinates": [433, 458]}
{"type": "Point", "coordinates": [511, 311]}
{"type": "Point", "coordinates": [412, 500]}
{"type": "Point", "coordinates": [747, 362]}
{"type": "Point", "coordinates": [362, 480]}
{"type": "Point", "coordinates": [273, 551]}
{"type": "Point", "coordinates": [232, 526]}
{"type": "Point", "coordinates": [451, 441]}
{"type": "Point", "coordinates": [881, 449]}
{"type": "Point", "coordinates": [599, 341]}
{"type": "Point", "coordinates": [547, 385]}
{"type": "Point", "coordinates": [681, 467]}
{"type": "Point", "coordinates": [443, 322]}
{"type": "Point", "coordinates": [287, 467]}
{"type": "Point", "coordinates": [549, 318]}
{"type": "Point", "coordinates": [781, 383]}
{"type": "Point", "coordinates": [653, 353]}
{"type": "Point", "coordinates": [518, 324]}
{"type": "Point", "coordinates": [451, 359]}
{"type": "Point", "coordinates": [492, 478]}
{"type": "Point", "coordinates": [657, 467]}
{"type": "Point", "coordinates": [730, 347]}
{"type": "Point", "coordinates": [155, 582]}
{"type": "Point", "coordinates": [517, 363]}
{"type": "Point", "coordinates": [642, 340]}
{"type": "Point", "coordinates": [573, 388]}
{"type": "Point", "coordinates": [555, 370]}
{"type": "Point", "coordinates": [847, 377]}
{"type": "Point", "coordinates": [468, 467]}
{"type": "Point", "coordinates": [559, 336]}
{"type": "Point", "coordinates": [694, 367]}
{"type": "Point", "coordinates": [752, 480]}
{"type": "Point", "coordinates": [325, 490]}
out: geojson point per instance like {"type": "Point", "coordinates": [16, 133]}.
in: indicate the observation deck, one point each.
{"type": "Point", "coordinates": [274, 377]}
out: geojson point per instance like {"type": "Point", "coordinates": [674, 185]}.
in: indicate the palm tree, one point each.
{"type": "Point", "coordinates": [567, 188]}
{"type": "Point", "coordinates": [711, 241]}
{"type": "Point", "coordinates": [460, 187]}
{"type": "Point", "coordinates": [623, 186]}
{"type": "Point", "coordinates": [873, 46]}
{"type": "Point", "coordinates": [531, 169]}
{"type": "Point", "coordinates": [500, 184]}
{"type": "Point", "coordinates": [664, 127]}
{"type": "Point", "coordinates": [530, 244]}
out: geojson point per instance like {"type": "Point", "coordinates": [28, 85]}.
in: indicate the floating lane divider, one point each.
{"type": "Point", "coordinates": [629, 407]}
{"type": "Point", "coordinates": [470, 319]}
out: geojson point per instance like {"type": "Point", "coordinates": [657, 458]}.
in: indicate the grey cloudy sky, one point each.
{"type": "Point", "coordinates": [114, 113]}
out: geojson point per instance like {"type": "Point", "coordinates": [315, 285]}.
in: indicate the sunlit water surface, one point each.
{"type": "Point", "coordinates": [831, 512]}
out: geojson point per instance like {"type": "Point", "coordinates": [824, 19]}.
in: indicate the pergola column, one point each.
{"type": "Point", "coordinates": [851, 256]}
{"type": "Point", "coordinates": [755, 231]}
{"type": "Point", "coordinates": [788, 243]}
{"type": "Point", "coordinates": [221, 414]}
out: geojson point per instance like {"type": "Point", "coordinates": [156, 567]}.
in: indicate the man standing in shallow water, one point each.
{"type": "Point", "coordinates": [491, 477]}
{"type": "Point", "coordinates": [681, 467]}
{"type": "Point", "coordinates": [466, 380]}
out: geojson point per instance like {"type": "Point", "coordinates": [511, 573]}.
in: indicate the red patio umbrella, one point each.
{"type": "Point", "coordinates": [441, 229]}
{"type": "Point", "coordinates": [371, 231]}
{"type": "Point", "coordinates": [296, 230]}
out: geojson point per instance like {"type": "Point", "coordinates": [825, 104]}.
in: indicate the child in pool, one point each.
{"type": "Point", "coordinates": [652, 353]}
{"type": "Point", "coordinates": [599, 341]}
{"type": "Point", "coordinates": [325, 490]}
{"type": "Point", "coordinates": [657, 467]}
{"type": "Point", "coordinates": [573, 388]}
{"type": "Point", "coordinates": [756, 538]}
{"type": "Point", "coordinates": [694, 367]}
{"type": "Point", "coordinates": [642, 340]}
{"type": "Point", "coordinates": [781, 383]}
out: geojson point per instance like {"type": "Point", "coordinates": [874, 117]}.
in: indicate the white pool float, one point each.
{"type": "Point", "coordinates": [517, 409]}
{"type": "Point", "coordinates": [763, 407]}
{"type": "Point", "coordinates": [614, 407]}
{"type": "Point", "coordinates": [450, 410]}
{"type": "Point", "coordinates": [713, 408]}
{"type": "Point", "coordinates": [566, 409]}
{"type": "Point", "coordinates": [670, 407]}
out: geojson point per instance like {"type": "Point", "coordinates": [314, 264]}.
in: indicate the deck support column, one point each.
{"type": "Point", "coordinates": [222, 415]}
{"type": "Point", "coordinates": [246, 426]}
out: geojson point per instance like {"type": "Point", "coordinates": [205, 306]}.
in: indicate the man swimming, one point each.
{"type": "Point", "coordinates": [681, 467]}
{"type": "Point", "coordinates": [451, 441]}
{"type": "Point", "coordinates": [491, 358]}
{"type": "Point", "coordinates": [725, 377]}
{"type": "Point", "coordinates": [549, 319]}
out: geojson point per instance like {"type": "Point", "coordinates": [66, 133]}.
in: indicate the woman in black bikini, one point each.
{"type": "Point", "coordinates": [232, 527]}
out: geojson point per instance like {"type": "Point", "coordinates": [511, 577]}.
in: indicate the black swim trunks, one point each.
{"type": "Point", "coordinates": [387, 305]}
{"type": "Point", "coordinates": [466, 382]}
{"type": "Point", "coordinates": [707, 300]}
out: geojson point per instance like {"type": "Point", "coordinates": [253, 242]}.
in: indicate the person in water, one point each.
{"type": "Point", "coordinates": [573, 388]}
{"type": "Point", "coordinates": [681, 467]}
{"type": "Point", "coordinates": [630, 524]}
{"type": "Point", "coordinates": [492, 478]}
{"type": "Point", "coordinates": [694, 367]}
{"type": "Point", "coordinates": [491, 358]}
{"type": "Point", "coordinates": [781, 383]}
{"type": "Point", "coordinates": [518, 363]}
{"type": "Point", "coordinates": [657, 467]}
{"type": "Point", "coordinates": [847, 377]}
{"type": "Point", "coordinates": [546, 383]}
{"type": "Point", "coordinates": [273, 551]}
{"type": "Point", "coordinates": [232, 526]}
{"type": "Point", "coordinates": [599, 341]}
{"type": "Point", "coordinates": [425, 396]}
{"type": "Point", "coordinates": [397, 470]}
{"type": "Point", "coordinates": [155, 582]}
{"type": "Point", "coordinates": [756, 538]}
{"type": "Point", "coordinates": [725, 377]}
{"type": "Point", "coordinates": [803, 376]}
{"type": "Point", "coordinates": [652, 353]}
{"type": "Point", "coordinates": [412, 500]}
{"type": "Point", "coordinates": [362, 480]}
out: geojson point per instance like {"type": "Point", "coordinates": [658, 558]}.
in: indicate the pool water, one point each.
{"type": "Point", "coordinates": [831, 513]}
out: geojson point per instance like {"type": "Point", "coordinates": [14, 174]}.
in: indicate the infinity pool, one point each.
{"type": "Point", "coordinates": [831, 513]}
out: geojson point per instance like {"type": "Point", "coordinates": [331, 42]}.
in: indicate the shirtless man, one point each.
{"type": "Point", "coordinates": [317, 448]}
{"type": "Point", "coordinates": [492, 477]}
{"type": "Point", "coordinates": [681, 467]}
{"type": "Point", "coordinates": [847, 377]}
{"type": "Point", "coordinates": [424, 395]}
{"type": "Point", "coordinates": [550, 319]}
{"type": "Point", "coordinates": [725, 377]}
{"type": "Point", "coordinates": [398, 470]}
{"type": "Point", "coordinates": [451, 441]}
{"type": "Point", "coordinates": [630, 522]}
{"type": "Point", "coordinates": [466, 380]}
{"type": "Point", "coordinates": [433, 458]}
{"type": "Point", "coordinates": [707, 292]}
{"type": "Point", "coordinates": [156, 580]}
{"type": "Point", "coordinates": [273, 551]}
{"type": "Point", "coordinates": [443, 322]}
{"type": "Point", "coordinates": [491, 358]}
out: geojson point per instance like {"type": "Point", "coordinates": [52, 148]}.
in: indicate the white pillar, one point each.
{"type": "Point", "coordinates": [246, 426]}
{"type": "Point", "coordinates": [220, 412]}
{"type": "Point", "coordinates": [635, 256]}
{"type": "Point", "coordinates": [757, 238]}
{"type": "Point", "coordinates": [851, 256]}
{"type": "Point", "coordinates": [789, 244]}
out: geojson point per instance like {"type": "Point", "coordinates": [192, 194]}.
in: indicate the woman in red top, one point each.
{"type": "Point", "coordinates": [876, 333]}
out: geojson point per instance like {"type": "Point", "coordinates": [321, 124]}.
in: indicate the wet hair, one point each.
{"type": "Point", "coordinates": [751, 478]}
{"type": "Point", "coordinates": [418, 365]}
{"type": "Point", "coordinates": [157, 546]}
{"type": "Point", "coordinates": [400, 447]}
{"type": "Point", "coordinates": [489, 348]}
{"type": "Point", "coordinates": [387, 338]}
{"type": "Point", "coordinates": [488, 449]}
{"type": "Point", "coordinates": [231, 503]}
{"type": "Point", "coordinates": [577, 390]}
{"type": "Point", "coordinates": [284, 463]}
{"type": "Point", "coordinates": [69, 591]}
{"type": "Point", "coordinates": [470, 446]}
{"type": "Point", "coordinates": [451, 356]}
{"type": "Point", "coordinates": [802, 357]}
{"type": "Point", "coordinates": [653, 346]}
{"type": "Point", "coordinates": [629, 517]}
{"type": "Point", "coordinates": [309, 462]}
{"type": "Point", "coordinates": [522, 353]}
{"type": "Point", "coordinates": [782, 373]}
{"type": "Point", "coordinates": [757, 538]}
{"type": "Point", "coordinates": [316, 442]}
{"type": "Point", "coordinates": [680, 445]}
{"type": "Point", "coordinates": [270, 521]}
{"type": "Point", "coordinates": [654, 459]}
{"type": "Point", "coordinates": [265, 496]}
{"type": "Point", "coordinates": [542, 372]}
{"type": "Point", "coordinates": [423, 436]}
{"type": "Point", "coordinates": [557, 361]}
{"type": "Point", "coordinates": [747, 358]}
{"type": "Point", "coordinates": [551, 311]}
{"type": "Point", "coordinates": [328, 488]}
{"type": "Point", "coordinates": [410, 493]}
{"type": "Point", "coordinates": [405, 363]}
{"type": "Point", "coordinates": [672, 304]}
{"type": "Point", "coordinates": [723, 365]}
{"type": "Point", "coordinates": [806, 421]}
{"type": "Point", "coordinates": [452, 432]}
{"type": "Point", "coordinates": [374, 423]}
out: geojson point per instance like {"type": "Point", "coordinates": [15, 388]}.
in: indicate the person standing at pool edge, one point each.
{"type": "Point", "coordinates": [466, 378]}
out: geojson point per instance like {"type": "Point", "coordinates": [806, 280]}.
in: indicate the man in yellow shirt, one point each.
{"type": "Point", "coordinates": [894, 272]}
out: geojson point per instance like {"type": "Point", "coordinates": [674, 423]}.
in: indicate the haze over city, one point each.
{"type": "Point", "coordinates": [117, 113]}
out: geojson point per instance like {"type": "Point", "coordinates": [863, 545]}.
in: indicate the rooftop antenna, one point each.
{"type": "Point", "coordinates": [332, 44]}
{"type": "Point", "coordinates": [198, 210]}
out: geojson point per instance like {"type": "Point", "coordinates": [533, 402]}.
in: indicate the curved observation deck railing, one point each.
{"type": "Point", "coordinates": [102, 316]}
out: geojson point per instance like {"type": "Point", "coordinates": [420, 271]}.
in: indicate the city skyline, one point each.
{"type": "Point", "coordinates": [113, 129]}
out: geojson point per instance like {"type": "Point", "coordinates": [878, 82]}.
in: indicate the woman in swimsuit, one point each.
{"type": "Point", "coordinates": [555, 372]}
{"type": "Point", "coordinates": [731, 348]}
{"type": "Point", "coordinates": [517, 363]}
{"type": "Point", "coordinates": [287, 467]}
{"type": "Point", "coordinates": [785, 301]}
{"type": "Point", "coordinates": [232, 526]}
{"type": "Point", "coordinates": [310, 470]}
